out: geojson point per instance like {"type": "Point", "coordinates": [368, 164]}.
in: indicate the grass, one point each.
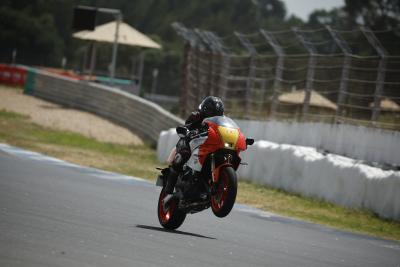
{"type": "Point", "coordinates": [141, 161]}
{"type": "Point", "coordinates": [137, 160]}
{"type": "Point", "coordinates": [313, 210]}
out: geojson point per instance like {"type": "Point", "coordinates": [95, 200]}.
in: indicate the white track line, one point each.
{"type": "Point", "coordinates": [21, 153]}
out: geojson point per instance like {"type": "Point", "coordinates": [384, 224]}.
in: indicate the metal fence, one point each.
{"type": "Point", "coordinates": [307, 75]}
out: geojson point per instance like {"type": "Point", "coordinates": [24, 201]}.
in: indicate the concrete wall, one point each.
{"type": "Point", "coordinates": [357, 142]}
{"type": "Point", "coordinates": [137, 114]}
{"type": "Point", "coordinates": [330, 177]}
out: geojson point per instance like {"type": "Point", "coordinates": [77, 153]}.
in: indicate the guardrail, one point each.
{"type": "Point", "coordinates": [143, 117]}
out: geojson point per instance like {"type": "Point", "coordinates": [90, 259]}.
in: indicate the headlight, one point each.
{"type": "Point", "coordinates": [228, 145]}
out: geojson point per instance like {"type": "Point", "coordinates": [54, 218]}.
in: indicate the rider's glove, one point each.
{"type": "Point", "coordinates": [192, 133]}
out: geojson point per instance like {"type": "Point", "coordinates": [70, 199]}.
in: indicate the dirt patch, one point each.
{"type": "Point", "coordinates": [57, 117]}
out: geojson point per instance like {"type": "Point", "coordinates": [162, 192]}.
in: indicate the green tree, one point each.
{"type": "Point", "coordinates": [377, 14]}
{"type": "Point", "coordinates": [32, 34]}
{"type": "Point", "coordinates": [337, 18]}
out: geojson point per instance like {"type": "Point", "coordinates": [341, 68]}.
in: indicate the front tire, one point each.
{"type": "Point", "coordinates": [223, 200]}
{"type": "Point", "coordinates": [170, 217]}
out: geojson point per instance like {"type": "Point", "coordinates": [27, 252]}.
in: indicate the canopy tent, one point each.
{"type": "Point", "coordinates": [127, 35]}
{"type": "Point", "coordinates": [387, 105]}
{"type": "Point", "coordinates": [316, 100]}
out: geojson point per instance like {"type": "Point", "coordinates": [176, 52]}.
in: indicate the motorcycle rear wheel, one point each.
{"type": "Point", "coordinates": [223, 200]}
{"type": "Point", "coordinates": [171, 217]}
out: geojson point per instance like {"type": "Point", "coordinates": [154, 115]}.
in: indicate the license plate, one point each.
{"type": "Point", "coordinates": [160, 181]}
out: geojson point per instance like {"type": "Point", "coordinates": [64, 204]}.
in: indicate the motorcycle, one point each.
{"type": "Point", "coordinates": [209, 177]}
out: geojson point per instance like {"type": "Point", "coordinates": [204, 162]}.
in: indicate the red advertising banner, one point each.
{"type": "Point", "coordinates": [12, 75]}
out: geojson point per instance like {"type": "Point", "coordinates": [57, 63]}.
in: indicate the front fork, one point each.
{"type": "Point", "coordinates": [213, 176]}
{"type": "Point", "coordinates": [215, 170]}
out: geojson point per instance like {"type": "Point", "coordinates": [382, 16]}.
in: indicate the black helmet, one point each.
{"type": "Point", "coordinates": [211, 106]}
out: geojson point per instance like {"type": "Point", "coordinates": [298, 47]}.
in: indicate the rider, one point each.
{"type": "Point", "coordinates": [210, 106]}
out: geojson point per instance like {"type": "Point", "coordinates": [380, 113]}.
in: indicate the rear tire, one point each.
{"type": "Point", "coordinates": [223, 200]}
{"type": "Point", "coordinates": [171, 217]}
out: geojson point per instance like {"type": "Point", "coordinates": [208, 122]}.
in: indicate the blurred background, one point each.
{"type": "Point", "coordinates": [280, 66]}
{"type": "Point", "coordinates": [39, 33]}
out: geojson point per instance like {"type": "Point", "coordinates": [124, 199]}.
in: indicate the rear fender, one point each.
{"type": "Point", "coordinates": [160, 181]}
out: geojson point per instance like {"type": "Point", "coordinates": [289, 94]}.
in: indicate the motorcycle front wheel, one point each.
{"type": "Point", "coordinates": [225, 196]}
{"type": "Point", "coordinates": [170, 217]}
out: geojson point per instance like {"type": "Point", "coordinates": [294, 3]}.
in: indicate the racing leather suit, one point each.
{"type": "Point", "coordinates": [193, 122]}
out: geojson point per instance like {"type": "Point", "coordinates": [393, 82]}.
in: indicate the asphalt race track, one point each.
{"type": "Point", "coordinates": [57, 214]}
